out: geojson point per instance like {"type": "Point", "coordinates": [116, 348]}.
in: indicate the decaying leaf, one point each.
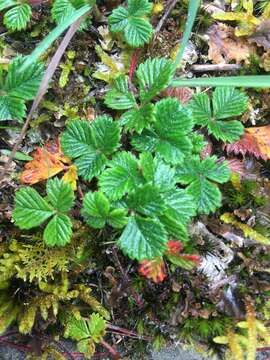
{"type": "Point", "coordinates": [255, 141]}
{"type": "Point", "coordinates": [153, 269]}
{"type": "Point", "coordinates": [47, 162]}
{"type": "Point", "coordinates": [229, 218]}
{"type": "Point", "coordinates": [183, 94]}
{"type": "Point", "coordinates": [247, 22]}
{"type": "Point", "coordinates": [71, 177]}
{"type": "Point", "coordinates": [225, 47]}
{"type": "Point", "coordinates": [261, 36]}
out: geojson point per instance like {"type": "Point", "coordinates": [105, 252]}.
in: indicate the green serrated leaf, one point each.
{"type": "Point", "coordinates": [120, 97]}
{"type": "Point", "coordinates": [207, 195]}
{"type": "Point", "coordinates": [58, 231]}
{"type": "Point", "coordinates": [138, 119]}
{"type": "Point", "coordinates": [31, 209]}
{"type": "Point", "coordinates": [60, 194]}
{"type": "Point", "coordinates": [197, 173]}
{"type": "Point", "coordinates": [174, 228]}
{"type": "Point", "coordinates": [23, 84]}
{"type": "Point", "coordinates": [89, 144]}
{"type": "Point", "coordinates": [181, 261]}
{"type": "Point", "coordinates": [97, 327]}
{"type": "Point", "coordinates": [146, 200]}
{"type": "Point", "coordinates": [143, 238]}
{"type": "Point", "coordinates": [201, 109]}
{"type": "Point", "coordinates": [5, 4]}
{"type": "Point", "coordinates": [228, 102]}
{"type": "Point", "coordinates": [120, 177]}
{"type": "Point", "coordinates": [138, 32]}
{"type": "Point", "coordinates": [157, 172]}
{"type": "Point", "coordinates": [11, 108]}
{"type": "Point", "coordinates": [96, 209]}
{"type": "Point", "coordinates": [180, 205]}
{"type": "Point", "coordinates": [154, 75]}
{"type": "Point", "coordinates": [227, 131]}
{"type": "Point", "coordinates": [17, 17]}
{"type": "Point", "coordinates": [169, 138]}
{"type": "Point", "coordinates": [133, 22]}
{"type": "Point", "coordinates": [118, 218]}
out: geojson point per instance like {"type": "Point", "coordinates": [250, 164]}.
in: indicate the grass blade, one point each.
{"type": "Point", "coordinates": [193, 8]}
{"type": "Point", "coordinates": [256, 81]}
{"type": "Point", "coordinates": [53, 35]}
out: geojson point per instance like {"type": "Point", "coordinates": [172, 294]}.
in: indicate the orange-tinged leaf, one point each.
{"type": "Point", "coordinates": [71, 177]}
{"type": "Point", "coordinates": [255, 141]}
{"type": "Point", "coordinates": [174, 247]}
{"type": "Point", "coordinates": [47, 162]}
{"type": "Point", "coordinates": [153, 269]}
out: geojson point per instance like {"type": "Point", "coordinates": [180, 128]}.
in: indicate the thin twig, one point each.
{"type": "Point", "coordinates": [43, 88]}
{"type": "Point", "coordinates": [170, 6]}
{"type": "Point", "coordinates": [115, 354]}
{"type": "Point", "coordinates": [215, 67]}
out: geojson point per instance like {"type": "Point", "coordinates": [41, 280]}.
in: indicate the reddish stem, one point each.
{"type": "Point", "coordinates": [133, 63]}
{"type": "Point", "coordinates": [115, 354]}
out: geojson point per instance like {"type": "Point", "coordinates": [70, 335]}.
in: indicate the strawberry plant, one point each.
{"type": "Point", "coordinates": [32, 210]}
{"type": "Point", "coordinates": [18, 14]}
{"type": "Point", "coordinates": [18, 86]}
{"type": "Point", "coordinates": [133, 22]}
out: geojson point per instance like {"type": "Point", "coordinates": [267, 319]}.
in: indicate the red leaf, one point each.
{"type": "Point", "coordinates": [255, 141]}
{"type": "Point", "coordinates": [182, 94]}
{"type": "Point", "coordinates": [174, 247]}
{"type": "Point", "coordinates": [153, 269]}
{"type": "Point", "coordinates": [236, 166]}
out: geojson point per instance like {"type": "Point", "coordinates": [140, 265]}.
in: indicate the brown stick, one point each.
{"type": "Point", "coordinates": [170, 6]}
{"type": "Point", "coordinates": [215, 67]}
{"type": "Point", "coordinates": [43, 88]}
{"type": "Point", "coordinates": [115, 354]}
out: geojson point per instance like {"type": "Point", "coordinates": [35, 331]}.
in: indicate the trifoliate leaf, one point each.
{"type": "Point", "coordinates": [120, 97]}
{"type": "Point", "coordinates": [133, 22]}
{"type": "Point", "coordinates": [173, 122]}
{"type": "Point", "coordinates": [89, 143]}
{"type": "Point", "coordinates": [157, 172]}
{"type": "Point", "coordinates": [198, 173]}
{"type": "Point", "coordinates": [180, 205]}
{"type": "Point", "coordinates": [17, 17]}
{"type": "Point", "coordinates": [120, 177]}
{"type": "Point", "coordinates": [60, 194]}
{"type": "Point", "coordinates": [143, 238]}
{"type": "Point", "coordinates": [228, 102]}
{"type": "Point", "coordinates": [58, 231]}
{"type": "Point", "coordinates": [146, 200]}
{"type": "Point", "coordinates": [23, 84]}
{"type": "Point", "coordinates": [139, 118]}
{"type": "Point", "coordinates": [31, 209]}
{"type": "Point", "coordinates": [154, 75]}
{"type": "Point", "coordinates": [79, 329]}
{"type": "Point", "coordinates": [11, 108]}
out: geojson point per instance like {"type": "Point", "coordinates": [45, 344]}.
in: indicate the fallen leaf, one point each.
{"type": "Point", "coordinates": [71, 177]}
{"type": "Point", "coordinates": [225, 47]}
{"type": "Point", "coordinates": [261, 36]}
{"type": "Point", "coordinates": [182, 94]}
{"type": "Point", "coordinates": [255, 141]}
{"type": "Point", "coordinates": [153, 269]}
{"type": "Point", "coordinates": [47, 162]}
